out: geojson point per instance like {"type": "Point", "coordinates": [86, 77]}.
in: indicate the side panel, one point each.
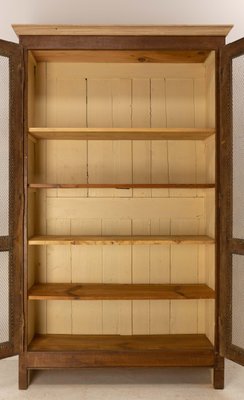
{"type": "Point", "coordinates": [11, 197]}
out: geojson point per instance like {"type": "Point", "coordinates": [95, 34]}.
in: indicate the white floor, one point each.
{"type": "Point", "coordinates": [126, 384]}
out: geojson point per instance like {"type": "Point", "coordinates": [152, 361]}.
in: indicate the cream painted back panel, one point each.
{"type": "Point", "coordinates": [108, 95]}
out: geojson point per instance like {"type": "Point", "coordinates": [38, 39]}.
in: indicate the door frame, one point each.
{"type": "Point", "coordinates": [13, 243]}
{"type": "Point", "coordinates": [228, 244]}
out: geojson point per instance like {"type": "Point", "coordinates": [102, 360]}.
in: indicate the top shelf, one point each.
{"type": "Point", "coordinates": [121, 133]}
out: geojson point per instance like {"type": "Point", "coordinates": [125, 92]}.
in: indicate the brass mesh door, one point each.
{"type": "Point", "coordinates": [232, 202]}
{"type": "Point", "coordinates": [11, 198]}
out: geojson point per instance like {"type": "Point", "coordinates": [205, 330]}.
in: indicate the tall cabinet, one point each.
{"type": "Point", "coordinates": [122, 228]}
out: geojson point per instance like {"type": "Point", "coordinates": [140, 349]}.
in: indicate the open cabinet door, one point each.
{"type": "Point", "coordinates": [232, 202]}
{"type": "Point", "coordinates": [11, 196]}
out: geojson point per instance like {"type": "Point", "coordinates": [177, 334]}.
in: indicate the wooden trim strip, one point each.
{"type": "Point", "coordinates": [93, 291]}
{"type": "Point", "coordinates": [52, 42]}
{"type": "Point", "coordinates": [120, 240]}
{"type": "Point", "coordinates": [123, 351]}
{"type": "Point", "coordinates": [121, 185]}
{"type": "Point", "coordinates": [124, 56]}
{"type": "Point", "coordinates": [122, 30]}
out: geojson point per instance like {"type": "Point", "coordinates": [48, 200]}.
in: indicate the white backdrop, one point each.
{"type": "Point", "coordinates": [121, 12]}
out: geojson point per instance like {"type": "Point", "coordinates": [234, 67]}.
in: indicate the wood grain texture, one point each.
{"type": "Point", "coordinates": [93, 291]}
{"type": "Point", "coordinates": [116, 56]}
{"type": "Point", "coordinates": [120, 240]}
{"type": "Point", "coordinates": [172, 343]}
{"type": "Point", "coordinates": [75, 359]}
{"type": "Point", "coordinates": [122, 30]}
{"type": "Point", "coordinates": [93, 133]}
{"type": "Point", "coordinates": [121, 185]}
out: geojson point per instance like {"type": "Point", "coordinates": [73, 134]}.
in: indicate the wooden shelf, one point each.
{"type": "Point", "coordinates": [121, 185]}
{"type": "Point", "coordinates": [94, 291]}
{"type": "Point", "coordinates": [121, 133]}
{"type": "Point", "coordinates": [117, 350]}
{"type": "Point", "coordinates": [119, 240]}
{"type": "Point", "coordinates": [172, 342]}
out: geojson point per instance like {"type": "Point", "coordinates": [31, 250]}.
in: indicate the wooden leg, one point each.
{"type": "Point", "coordinates": [219, 373]}
{"type": "Point", "coordinates": [23, 374]}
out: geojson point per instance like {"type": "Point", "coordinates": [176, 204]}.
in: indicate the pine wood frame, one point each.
{"type": "Point", "coordinates": [13, 242]}
{"type": "Point", "coordinates": [29, 360]}
{"type": "Point", "coordinates": [230, 244]}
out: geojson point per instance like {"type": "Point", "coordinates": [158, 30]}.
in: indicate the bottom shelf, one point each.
{"type": "Point", "coordinates": [136, 350]}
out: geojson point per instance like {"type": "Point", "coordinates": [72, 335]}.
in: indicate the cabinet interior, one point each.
{"type": "Point", "coordinates": [76, 89]}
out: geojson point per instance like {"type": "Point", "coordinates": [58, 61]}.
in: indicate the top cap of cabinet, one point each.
{"type": "Point", "coordinates": [124, 30]}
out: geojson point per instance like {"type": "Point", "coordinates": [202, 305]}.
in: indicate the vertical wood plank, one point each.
{"type": "Point", "coordinates": [110, 162]}
{"type": "Point", "coordinates": [66, 99]}
{"type": "Point", "coordinates": [87, 317]}
{"type": "Point", "coordinates": [59, 317]}
{"type": "Point", "coordinates": [59, 314]}
{"type": "Point", "coordinates": [141, 317]}
{"type": "Point", "coordinates": [121, 97]}
{"type": "Point", "coordinates": [184, 314]}
{"type": "Point", "coordinates": [159, 166]}
{"type": "Point", "coordinates": [141, 274]}
{"type": "Point", "coordinates": [180, 113]}
{"type": "Point", "coordinates": [159, 273]}
{"type": "Point", "coordinates": [87, 268]}
{"type": "Point", "coordinates": [99, 106]}
{"type": "Point", "coordinates": [40, 106]}
{"type": "Point", "coordinates": [182, 166]}
{"type": "Point", "coordinates": [200, 102]}
{"type": "Point", "coordinates": [210, 89]}
{"type": "Point", "coordinates": [141, 117]}
{"type": "Point", "coordinates": [180, 103]}
{"type": "Point", "coordinates": [158, 103]}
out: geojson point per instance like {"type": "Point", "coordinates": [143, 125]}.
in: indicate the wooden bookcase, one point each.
{"type": "Point", "coordinates": [121, 198]}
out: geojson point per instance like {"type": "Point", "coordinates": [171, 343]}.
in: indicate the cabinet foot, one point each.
{"type": "Point", "coordinates": [23, 374]}
{"type": "Point", "coordinates": [219, 373]}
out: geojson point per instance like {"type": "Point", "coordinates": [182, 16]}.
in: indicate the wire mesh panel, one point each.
{"type": "Point", "coordinates": [238, 300]}
{"type": "Point", "coordinates": [238, 146]}
{"type": "Point", "coordinates": [11, 196]}
{"type": "Point", "coordinates": [4, 296]}
{"type": "Point", "coordinates": [231, 221]}
{"type": "Point", "coordinates": [4, 146]}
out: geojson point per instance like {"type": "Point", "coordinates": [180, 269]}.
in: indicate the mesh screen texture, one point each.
{"type": "Point", "coordinates": [4, 296]}
{"type": "Point", "coordinates": [4, 146]}
{"type": "Point", "coordinates": [238, 300]}
{"type": "Point", "coordinates": [238, 146]}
